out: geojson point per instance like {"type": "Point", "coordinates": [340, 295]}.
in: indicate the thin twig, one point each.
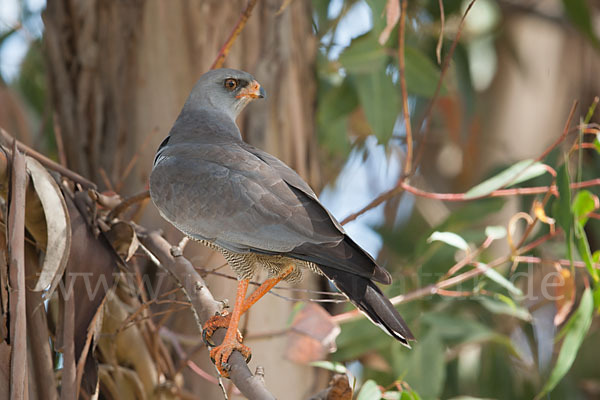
{"type": "Point", "coordinates": [405, 112]}
{"type": "Point", "coordinates": [48, 163]}
{"type": "Point", "coordinates": [126, 203]}
{"type": "Point", "coordinates": [423, 125]}
{"type": "Point", "coordinates": [233, 36]}
{"type": "Point", "coordinates": [438, 48]}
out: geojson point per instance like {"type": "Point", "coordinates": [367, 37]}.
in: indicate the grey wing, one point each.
{"type": "Point", "coordinates": [251, 202]}
{"type": "Point", "coordinates": [225, 194]}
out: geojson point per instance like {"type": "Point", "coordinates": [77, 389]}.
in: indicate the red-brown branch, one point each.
{"type": "Point", "coordinates": [233, 36]}
{"type": "Point", "coordinates": [405, 111]}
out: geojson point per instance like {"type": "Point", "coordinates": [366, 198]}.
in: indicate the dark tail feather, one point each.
{"type": "Point", "coordinates": [369, 299]}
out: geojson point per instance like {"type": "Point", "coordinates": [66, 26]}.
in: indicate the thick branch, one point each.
{"type": "Point", "coordinates": [204, 306]}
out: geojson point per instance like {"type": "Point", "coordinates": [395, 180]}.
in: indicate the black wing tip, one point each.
{"type": "Point", "coordinates": [383, 313]}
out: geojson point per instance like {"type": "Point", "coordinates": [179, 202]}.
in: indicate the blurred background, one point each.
{"type": "Point", "coordinates": [96, 86]}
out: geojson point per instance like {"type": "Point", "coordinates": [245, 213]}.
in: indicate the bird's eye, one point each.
{"type": "Point", "coordinates": [231, 84]}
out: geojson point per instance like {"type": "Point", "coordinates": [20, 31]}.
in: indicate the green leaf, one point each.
{"type": "Point", "coordinates": [584, 251]}
{"type": "Point", "coordinates": [337, 102]}
{"type": "Point", "coordinates": [330, 366]}
{"type": "Point", "coordinates": [597, 143]}
{"type": "Point", "coordinates": [380, 100]}
{"type": "Point", "coordinates": [519, 172]}
{"type": "Point", "coordinates": [495, 232]}
{"type": "Point", "coordinates": [364, 55]}
{"type": "Point", "coordinates": [369, 391]}
{"type": "Point", "coordinates": [500, 280]}
{"type": "Point", "coordinates": [428, 355]}
{"type": "Point", "coordinates": [582, 206]}
{"type": "Point", "coordinates": [574, 333]}
{"type": "Point", "coordinates": [422, 74]}
{"type": "Point", "coordinates": [579, 13]}
{"type": "Point", "coordinates": [449, 238]}
{"type": "Point", "coordinates": [410, 395]}
{"type": "Point", "coordinates": [502, 306]}
{"type": "Point", "coordinates": [562, 210]}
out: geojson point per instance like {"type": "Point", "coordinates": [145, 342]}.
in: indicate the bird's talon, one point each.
{"type": "Point", "coordinates": [220, 355]}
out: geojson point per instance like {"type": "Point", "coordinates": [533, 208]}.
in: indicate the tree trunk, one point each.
{"type": "Point", "coordinates": [120, 72]}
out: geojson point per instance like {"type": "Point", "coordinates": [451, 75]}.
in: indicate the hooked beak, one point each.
{"type": "Point", "coordinates": [252, 91]}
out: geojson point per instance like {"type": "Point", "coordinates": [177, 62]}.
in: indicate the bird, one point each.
{"type": "Point", "coordinates": [256, 211]}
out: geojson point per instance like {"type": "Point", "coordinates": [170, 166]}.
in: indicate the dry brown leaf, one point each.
{"type": "Point", "coordinates": [564, 292]}
{"type": "Point", "coordinates": [392, 13]}
{"type": "Point", "coordinates": [312, 335]}
{"type": "Point", "coordinates": [91, 262]}
{"type": "Point", "coordinates": [123, 238]}
{"type": "Point", "coordinates": [58, 225]}
{"type": "Point", "coordinates": [540, 213]}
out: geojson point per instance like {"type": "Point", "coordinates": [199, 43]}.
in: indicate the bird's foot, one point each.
{"type": "Point", "coordinates": [215, 322]}
{"type": "Point", "coordinates": [221, 353]}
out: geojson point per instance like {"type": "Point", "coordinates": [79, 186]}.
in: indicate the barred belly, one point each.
{"type": "Point", "coordinates": [247, 265]}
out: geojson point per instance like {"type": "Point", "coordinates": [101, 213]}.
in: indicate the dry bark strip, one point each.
{"type": "Point", "coordinates": [204, 306]}
{"type": "Point", "coordinates": [16, 251]}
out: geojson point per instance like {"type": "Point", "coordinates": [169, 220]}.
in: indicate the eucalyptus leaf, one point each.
{"type": "Point", "coordinates": [580, 14]}
{"type": "Point", "coordinates": [495, 232]}
{"type": "Point", "coordinates": [422, 74]}
{"type": "Point", "coordinates": [449, 238]}
{"type": "Point", "coordinates": [364, 55]}
{"type": "Point", "coordinates": [584, 251]}
{"type": "Point", "coordinates": [574, 332]}
{"type": "Point", "coordinates": [500, 307]}
{"type": "Point", "coordinates": [517, 173]}
{"type": "Point", "coordinates": [583, 204]}
{"type": "Point", "coordinates": [380, 100]}
{"type": "Point", "coordinates": [428, 355]}
{"type": "Point", "coordinates": [500, 280]}
{"type": "Point", "coordinates": [330, 366]}
{"type": "Point", "coordinates": [369, 391]}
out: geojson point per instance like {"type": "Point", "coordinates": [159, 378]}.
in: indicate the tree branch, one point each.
{"type": "Point", "coordinates": [204, 306]}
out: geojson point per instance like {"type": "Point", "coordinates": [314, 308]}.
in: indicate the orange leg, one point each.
{"type": "Point", "coordinates": [220, 354]}
{"type": "Point", "coordinates": [263, 289]}
{"type": "Point", "coordinates": [233, 338]}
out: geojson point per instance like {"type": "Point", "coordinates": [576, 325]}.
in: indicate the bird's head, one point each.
{"type": "Point", "coordinates": [226, 90]}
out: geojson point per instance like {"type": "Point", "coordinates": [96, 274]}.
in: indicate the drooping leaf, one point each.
{"type": "Point", "coordinates": [392, 15]}
{"type": "Point", "coordinates": [364, 55]}
{"type": "Point", "coordinates": [562, 210]}
{"type": "Point", "coordinates": [449, 238]}
{"type": "Point", "coordinates": [574, 333]}
{"type": "Point", "coordinates": [583, 246]}
{"type": "Point", "coordinates": [422, 74]}
{"type": "Point", "coordinates": [380, 100]}
{"type": "Point", "coordinates": [499, 279]}
{"type": "Point", "coordinates": [428, 355]}
{"type": "Point", "coordinates": [579, 13]}
{"type": "Point", "coordinates": [501, 306]}
{"type": "Point", "coordinates": [58, 225]}
{"type": "Point", "coordinates": [583, 204]}
{"type": "Point", "coordinates": [564, 292]}
{"type": "Point", "coordinates": [519, 172]}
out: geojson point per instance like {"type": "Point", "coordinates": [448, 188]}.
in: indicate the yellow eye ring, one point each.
{"type": "Point", "coordinates": [230, 83]}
